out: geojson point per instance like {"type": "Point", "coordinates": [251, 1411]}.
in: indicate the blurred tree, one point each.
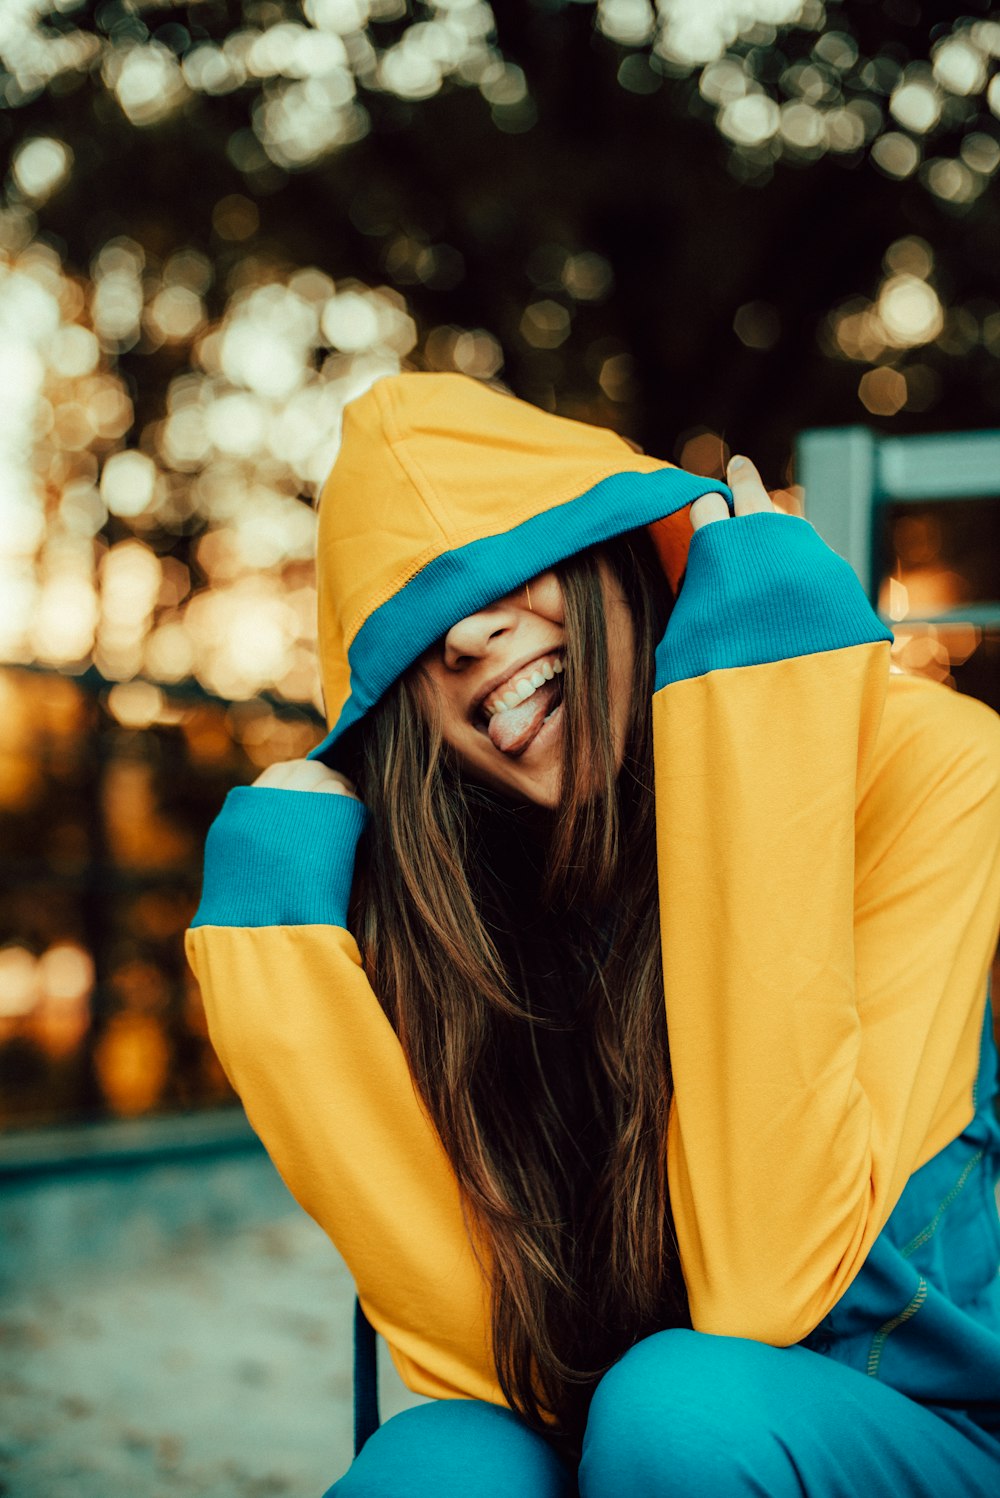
{"type": "Point", "coordinates": [707, 226]}
{"type": "Point", "coordinates": [687, 191]}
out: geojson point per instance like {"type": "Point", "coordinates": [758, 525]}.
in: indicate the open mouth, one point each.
{"type": "Point", "coordinates": [537, 676]}
{"type": "Point", "coordinates": [481, 721]}
{"type": "Point", "coordinates": [513, 730]}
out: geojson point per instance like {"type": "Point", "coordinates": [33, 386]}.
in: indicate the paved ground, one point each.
{"type": "Point", "coordinates": [174, 1331]}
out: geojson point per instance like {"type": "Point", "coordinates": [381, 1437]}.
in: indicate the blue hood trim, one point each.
{"type": "Point", "coordinates": [459, 582]}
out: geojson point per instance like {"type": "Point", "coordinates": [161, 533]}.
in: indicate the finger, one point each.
{"type": "Point", "coordinates": [336, 788]}
{"type": "Point", "coordinates": [749, 494]}
{"type": "Point", "coordinates": [313, 775]}
{"type": "Point", "coordinates": [272, 775]}
{"type": "Point", "coordinates": [335, 780]}
{"type": "Point", "coordinates": [294, 775]}
{"type": "Point", "coordinates": [708, 508]}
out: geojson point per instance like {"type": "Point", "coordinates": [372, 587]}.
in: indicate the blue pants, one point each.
{"type": "Point", "coordinates": [684, 1413]}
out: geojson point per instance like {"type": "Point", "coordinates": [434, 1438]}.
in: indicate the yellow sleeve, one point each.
{"type": "Point", "coordinates": [829, 873]}
{"type": "Point", "coordinates": [324, 1081]}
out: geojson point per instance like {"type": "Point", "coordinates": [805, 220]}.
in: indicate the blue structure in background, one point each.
{"type": "Point", "coordinates": [850, 473]}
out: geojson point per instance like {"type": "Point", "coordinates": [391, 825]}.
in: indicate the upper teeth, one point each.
{"type": "Point", "coordinates": [523, 687]}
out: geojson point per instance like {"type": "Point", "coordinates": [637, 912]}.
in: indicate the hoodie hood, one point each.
{"type": "Point", "coordinates": [448, 494]}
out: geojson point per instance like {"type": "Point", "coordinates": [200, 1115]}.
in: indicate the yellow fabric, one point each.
{"type": "Point", "coordinates": [817, 991]}
{"type": "Point", "coordinates": [825, 991]}
{"type": "Point", "coordinates": [325, 1084]}
{"type": "Point", "coordinates": [829, 878]}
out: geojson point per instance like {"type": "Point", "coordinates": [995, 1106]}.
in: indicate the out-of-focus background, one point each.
{"type": "Point", "coordinates": [711, 226]}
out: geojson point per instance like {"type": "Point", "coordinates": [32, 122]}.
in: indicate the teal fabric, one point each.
{"type": "Point", "coordinates": [923, 1314]}
{"type": "Point", "coordinates": [688, 1415]}
{"type": "Point", "coordinates": [455, 1448]}
{"type": "Point", "coordinates": [814, 601]}
{"type": "Point", "coordinates": [465, 579]}
{"type": "Point", "coordinates": [280, 858]}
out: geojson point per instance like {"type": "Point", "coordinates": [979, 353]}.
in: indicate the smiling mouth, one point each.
{"type": "Point", "coordinates": [550, 666]}
{"type": "Point", "coordinates": [513, 737]}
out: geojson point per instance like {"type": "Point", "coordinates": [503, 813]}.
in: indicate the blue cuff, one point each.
{"type": "Point", "coordinates": [280, 858]}
{"type": "Point", "coordinates": [762, 587]}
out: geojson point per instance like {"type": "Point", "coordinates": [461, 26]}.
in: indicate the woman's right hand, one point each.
{"type": "Point", "coordinates": [307, 775]}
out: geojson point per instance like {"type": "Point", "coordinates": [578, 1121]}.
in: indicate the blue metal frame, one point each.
{"type": "Point", "coordinates": [366, 1411]}
{"type": "Point", "coordinates": [847, 473]}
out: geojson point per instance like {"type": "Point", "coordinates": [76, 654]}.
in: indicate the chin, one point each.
{"type": "Point", "coordinates": [541, 790]}
{"type": "Point", "coordinates": [545, 794]}
{"type": "Point", "coordinates": [542, 796]}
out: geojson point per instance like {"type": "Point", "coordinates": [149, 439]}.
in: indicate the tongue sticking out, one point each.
{"type": "Point", "coordinates": [513, 730]}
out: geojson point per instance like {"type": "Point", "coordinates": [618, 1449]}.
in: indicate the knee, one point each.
{"type": "Point", "coordinates": [667, 1372]}
{"type": "Point", "coordinates": [451, 1447]}
{"type": "Point", "coordinates": [668, 1412]}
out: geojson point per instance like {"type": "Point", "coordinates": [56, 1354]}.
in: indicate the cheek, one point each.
{"type": "Point", "coordinates": [547, 597]}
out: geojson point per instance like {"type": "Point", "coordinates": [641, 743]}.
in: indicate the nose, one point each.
{"type": "Point", "coordinates": [472, 635]}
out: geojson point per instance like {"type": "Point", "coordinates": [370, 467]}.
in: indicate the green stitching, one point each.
{"type": "Point", "coordinates": [932, 1226]}
{"type": "Point", "coordinates": [878, 1341]}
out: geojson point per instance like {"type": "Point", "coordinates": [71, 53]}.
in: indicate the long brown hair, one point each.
{"type": "Point", "coordinates": [516, 951]}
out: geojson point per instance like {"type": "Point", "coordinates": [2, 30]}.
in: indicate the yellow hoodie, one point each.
{"type": "Point", "coordinates": [828, 836]}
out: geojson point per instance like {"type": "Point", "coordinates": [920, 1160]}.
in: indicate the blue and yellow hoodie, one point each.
{"type": "Point", "coordinates": [828, 850]}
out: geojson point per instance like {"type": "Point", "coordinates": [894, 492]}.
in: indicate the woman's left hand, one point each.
{"type": "Point", "coordinates": [749, 495]}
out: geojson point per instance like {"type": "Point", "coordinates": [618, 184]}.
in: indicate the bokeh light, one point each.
{"type": "Point", "coordinates": [40, 166]}
{"type": "Point", "coordinates": [215, 231]}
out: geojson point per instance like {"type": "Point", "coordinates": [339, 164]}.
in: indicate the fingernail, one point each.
{"type": "Point", "coordinates": [737, 462]}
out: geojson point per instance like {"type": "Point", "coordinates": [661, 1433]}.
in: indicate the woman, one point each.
{"type": "Point", "coordinates": [642, 1067]}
